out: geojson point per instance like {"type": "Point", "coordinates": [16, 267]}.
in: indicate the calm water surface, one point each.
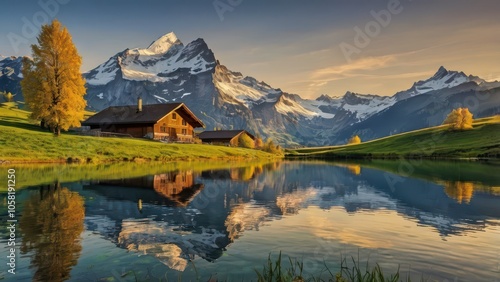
{"type": "Point", "coordinates": [433, 220]}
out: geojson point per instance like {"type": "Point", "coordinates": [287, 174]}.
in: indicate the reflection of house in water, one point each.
{"type": "Point", "coordinates": [179, 187]}
{"type": "Point", "coordinates": [172, 188]}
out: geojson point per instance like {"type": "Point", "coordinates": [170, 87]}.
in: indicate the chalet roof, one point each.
{"type": "Point", "coordinates": [222, 134]}
{"type": "Point", "coordinates": [149, 114]}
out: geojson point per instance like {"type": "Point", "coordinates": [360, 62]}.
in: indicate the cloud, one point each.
{"type": "Point", "coordinates": [347, 70]}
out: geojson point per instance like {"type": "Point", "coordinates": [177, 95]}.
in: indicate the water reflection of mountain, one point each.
{"type": "Point", "coordinates": [444, 207]}
{"type": "Point", "coordinates": [174, 217]}
{"type": "Point", "coordinates": [180, 216]}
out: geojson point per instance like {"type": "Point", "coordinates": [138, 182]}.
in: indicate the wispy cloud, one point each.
{"type": "Point", "coordinates": [349, 69]}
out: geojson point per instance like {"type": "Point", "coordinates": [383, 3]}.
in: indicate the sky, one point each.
{"type": "Point", "coordinates": [305, 47]}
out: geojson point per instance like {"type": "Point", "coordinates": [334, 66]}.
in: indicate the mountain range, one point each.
{"type": "Point", "coordinates": [169, 71]}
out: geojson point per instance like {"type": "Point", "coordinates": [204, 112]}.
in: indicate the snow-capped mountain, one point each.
{"type": "Point", "coordinates": [364, 106]}
{"type": "Point", "coordinates": [442, 79]}
{"type": "Point", "coordinates": [425, 110]}
{"type": "Point", "coordinates": [10, 75]}
{"type": "Point", "coordinates": [163, 57]}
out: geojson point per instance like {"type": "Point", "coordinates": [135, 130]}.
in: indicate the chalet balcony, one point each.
{"type": "Point", "coordinates": [180, 138]}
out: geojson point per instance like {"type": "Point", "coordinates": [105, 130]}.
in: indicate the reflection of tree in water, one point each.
{"type": "Point", "coordinates": [51, 225]}
{"type": "Point", "coordinates": [354, 169]}
{"type": "Point", "coordinates": [460, 191]}
{"type": "Point", "coordinates": [243, 173]}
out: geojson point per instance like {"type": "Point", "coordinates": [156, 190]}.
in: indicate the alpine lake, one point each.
{"type": "Point", "coordinates": [439, 221]}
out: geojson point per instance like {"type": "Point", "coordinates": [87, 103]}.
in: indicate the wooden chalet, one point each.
{"type": "Point", "coordinates": [223, 137]}
{"type": "Point", "coordinates": [172, 122]}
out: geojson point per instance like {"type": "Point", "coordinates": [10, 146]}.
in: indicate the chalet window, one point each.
{"type": "Point", "coordinates": [184, 131]}
{"type": "Point", "coordinates": [174, 116]}
{"type": "Point", "coordinates": [163, 129]}
{"type": "Point", "coordinates": [184, 122]}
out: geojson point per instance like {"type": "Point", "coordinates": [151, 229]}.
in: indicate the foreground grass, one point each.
{"type": "Point", "coordinates": [348, 272]}
{"type": "Point", "coordinates": [483, 141]}
{"type": "Point", "coordinates": [22, 142]}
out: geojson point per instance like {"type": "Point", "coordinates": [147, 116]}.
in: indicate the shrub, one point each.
{"type": "Point", "coordinates": [245, 141]}
{"type": "Point", "coordinates": [259, 143]}
{"type": "Point", "coordinates": [270, 147]}
{"type": "Point", "coordinates": [354, 140]}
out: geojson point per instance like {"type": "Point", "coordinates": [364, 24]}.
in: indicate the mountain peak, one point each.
{"type": "Point", "coordinates": [442, 71]}
{"type": "Point", "coordinates": [324, 98]}
{"type": "Point", "coordinates": [163, 44]}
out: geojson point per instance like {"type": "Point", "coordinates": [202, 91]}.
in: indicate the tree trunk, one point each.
{"type": "Point", "coordinates": [57, 131]}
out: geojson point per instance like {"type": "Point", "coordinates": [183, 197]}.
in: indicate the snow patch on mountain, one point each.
{"type": "Point", "coordinates": [150, 67]}
{"type": "Point", "coordinates": [161, 99]}
{"type": "Point", "coordinates": [240, 89]}
{"type": "Point", "coordinates": [364, 106]}
{"type": "Point", "coordinates": [442, 79]}
{"type": "Point", "coordinates": [162, 44]}
{"type": "Point", "coordinates": [288, 106]}
{"type": "Point", "coordinates": [314, 106]}
{"type": "Point", "coordinates": [104, 73]}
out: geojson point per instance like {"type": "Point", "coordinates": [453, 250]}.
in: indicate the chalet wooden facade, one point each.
{"type": "Point", "coordinates": [223, 137]}
{"type": "Point", "coordinates": [172, 122]}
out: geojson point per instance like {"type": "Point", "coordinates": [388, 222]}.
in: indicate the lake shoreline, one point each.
{"type": "Point", "coordinates": [139, 160]}
{"type": "Point", "coordinates": [393, 157]}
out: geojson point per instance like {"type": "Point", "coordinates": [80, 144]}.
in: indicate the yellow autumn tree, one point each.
{"type": "Point", "coordinates": [259, 143]}
{"type": "Point", "coordinates": [459, 119]}
{"type": "Point", "coordinates": [354, 140]}
{"type": "Point", "coordinates": [8, 97]}
{"type": "Point", "coordinates": [52, 84]}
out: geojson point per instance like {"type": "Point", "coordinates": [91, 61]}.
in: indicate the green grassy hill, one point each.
{"type": "Point", "coordinates": [483, 141]}
{"type": "Point", "coordinates": [23, 142]}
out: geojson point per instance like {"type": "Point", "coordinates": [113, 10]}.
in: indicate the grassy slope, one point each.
{"type": "Point", "coordinates": [21, 142]}
{"type": "Point", "coordinates": [439, 142]}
